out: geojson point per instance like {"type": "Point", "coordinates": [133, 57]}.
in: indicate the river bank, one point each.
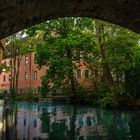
{"type": "Point", "coordinates": [104, 102]}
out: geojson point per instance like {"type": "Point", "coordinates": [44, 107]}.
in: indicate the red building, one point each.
{"type": "Point", "coordinates": [30, 75]}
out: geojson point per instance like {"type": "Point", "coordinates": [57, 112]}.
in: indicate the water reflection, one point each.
{"type": "Point", "coordinates": [51, 121]}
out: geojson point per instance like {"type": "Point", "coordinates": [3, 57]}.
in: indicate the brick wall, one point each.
{"type": "Point", "coordinates": [30, 68]}
{"type": "Point", "coordinates": [5, 84]}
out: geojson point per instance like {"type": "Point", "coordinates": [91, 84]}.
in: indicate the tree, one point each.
{"type": "Point", "coordinates": [120, 54]}
{"type": "Point", "coordinates": [107, 50]}
{"type": "Point", "coordinates": [66, 40]}
{"type": "Point", "coordinates": [102, 45]}
{"type": "Point", "coordinates": [16, 48]}
{"type": "Point", "coordinates": [132, 75]}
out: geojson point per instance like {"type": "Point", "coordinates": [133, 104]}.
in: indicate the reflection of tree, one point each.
{"type": "Point", "coordinates": [87, 124]}
{"type": "Point", "coordinates": [59, 124]}
{"type": "Point", "coordinates": [116, 124]}
{"type": "Point", "coordinates": [58, 127]}
{"type": "Point", "coordinates": [75, 123]}
{"type": "Point", "coordinates": [58, 131]}
{"type": "Point", "coordinates": [72, 133]}
{"type": "Point", "coordinates": [14, 104]}
{"type": "Point", "coordinates": [134, 126]}
{"type": "Point", "coordinates": [45, 119]}
{"type": "Point", "coordinates": [106, 118]}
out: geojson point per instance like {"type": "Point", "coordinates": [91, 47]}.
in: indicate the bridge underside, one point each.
{"type": "Point", "coordinates": [16, 15]}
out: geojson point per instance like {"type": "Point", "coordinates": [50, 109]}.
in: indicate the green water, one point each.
{"type": "Point", "coordinates": [60, 121]}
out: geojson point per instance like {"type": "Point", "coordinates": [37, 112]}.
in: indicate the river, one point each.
{"type": "Point", "coordinates": [62, 121]}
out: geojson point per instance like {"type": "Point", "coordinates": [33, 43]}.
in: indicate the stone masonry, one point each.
{"type": "Point", "coordinates": [16, 15]}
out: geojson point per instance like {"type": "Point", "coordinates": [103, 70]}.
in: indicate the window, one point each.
{"type": "Point", "coordinates": [17, 49]}
{"type": "Point", "coordinates": [34, 123]}
{"type": "Point", "coordinates": [26, 60]}
{"type": "Point", "coordinates": [4, 78]}
{"type": "Point", "coordinates": [24, 123]}
{"type": "Point", "coordinates": [26, 75]}
{"type": "Point", "coordinates": [79, 75]}
{"type": "Point", "coordinates": [35, 74]}
{"type": "Point", "coordinates": [10, 77]}
{"type": "Point", "coordinates": [86, 73]}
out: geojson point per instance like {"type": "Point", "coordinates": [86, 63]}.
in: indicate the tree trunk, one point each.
{"type": "Point", "coordinates": [69, 56]}
{"type": "Point", "coordinates": [14, 65]}
{"type": "Point", "coordinates": [17, 71]}
{"type": "Point", "coordinates": [101, 40]}
{"type": "Point", "coordinates": [1, 54]}
{"type": "Point", "coordinates": [73, 85]}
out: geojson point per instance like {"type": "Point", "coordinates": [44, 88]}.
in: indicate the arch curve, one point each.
{"type": "Point", "coordinates": [16, 15]}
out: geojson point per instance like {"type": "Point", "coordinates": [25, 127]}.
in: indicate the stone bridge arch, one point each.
{"type": "Point", "coordinates": [16, 15]}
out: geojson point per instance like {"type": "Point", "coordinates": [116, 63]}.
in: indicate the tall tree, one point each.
{"type": "Point", "coordinates": [65, 41]}
{"type": "Point", "coordinates": [102, 45]}
{"type": "Point", "coordinates": [16, 48]}
{"type": "Point", "coordinates": [120, 53]}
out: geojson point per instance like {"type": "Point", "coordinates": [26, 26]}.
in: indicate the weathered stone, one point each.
{"type": "Point", "coordinates": [2, 45]}
{"type": "Point", "coordinates": [19, 14]}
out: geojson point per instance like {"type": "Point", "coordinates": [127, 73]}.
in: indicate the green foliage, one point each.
{"type": "Point", "coordinates": [68, 40]}
{"type": "Point", "coordinates": [29, 95]}
{"type": "Point", "coordinates": [1, 95]}
{"type": "Point", "coordinates": [120, 49]}
{"type": "Point", "coordinates": [65, 40]}
{"type": "Point", "coordinates": [44, 86]}
{"type": "Point", "coordinates": [132, 78]}
{"type": "Point", "coordinates": [12, 92]}
{"type": "Point", "coordinates": [103, 102]}
{"type": "Point", "coordinates": [3, 67]}
{"type": "Point", "coordinates": [17, 46]}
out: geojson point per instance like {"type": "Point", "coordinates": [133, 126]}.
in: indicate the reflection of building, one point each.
{"type": "Point", "coordinates": [45, 122]}
{"type": "Point", "coordinates": [87, 124]}
{"type": "Point", "coordinates": [29, 125]}
{"type": "Point", "coordinates": [30, 75]}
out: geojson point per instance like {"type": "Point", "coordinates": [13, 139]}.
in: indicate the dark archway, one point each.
{"type": "Point", "coordinates": [16, 15]}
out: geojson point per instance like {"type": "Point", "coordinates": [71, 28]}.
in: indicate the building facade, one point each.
{"type": "Point", "coordinates": [30, 75]}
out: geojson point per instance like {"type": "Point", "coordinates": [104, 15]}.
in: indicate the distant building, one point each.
{"type": "Point", "coordinates": [30, 76]}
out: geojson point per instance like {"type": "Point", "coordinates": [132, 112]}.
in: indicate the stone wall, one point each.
{"type": "Point", "coordinates": [16, 15]}
{"type": "Point", "coordinates": [2, 45]}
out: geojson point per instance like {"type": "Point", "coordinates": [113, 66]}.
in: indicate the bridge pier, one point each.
{"type": "Point", "coordinates": [1, 118]}
{"type": "Point", "coordinates": [8, 131]}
